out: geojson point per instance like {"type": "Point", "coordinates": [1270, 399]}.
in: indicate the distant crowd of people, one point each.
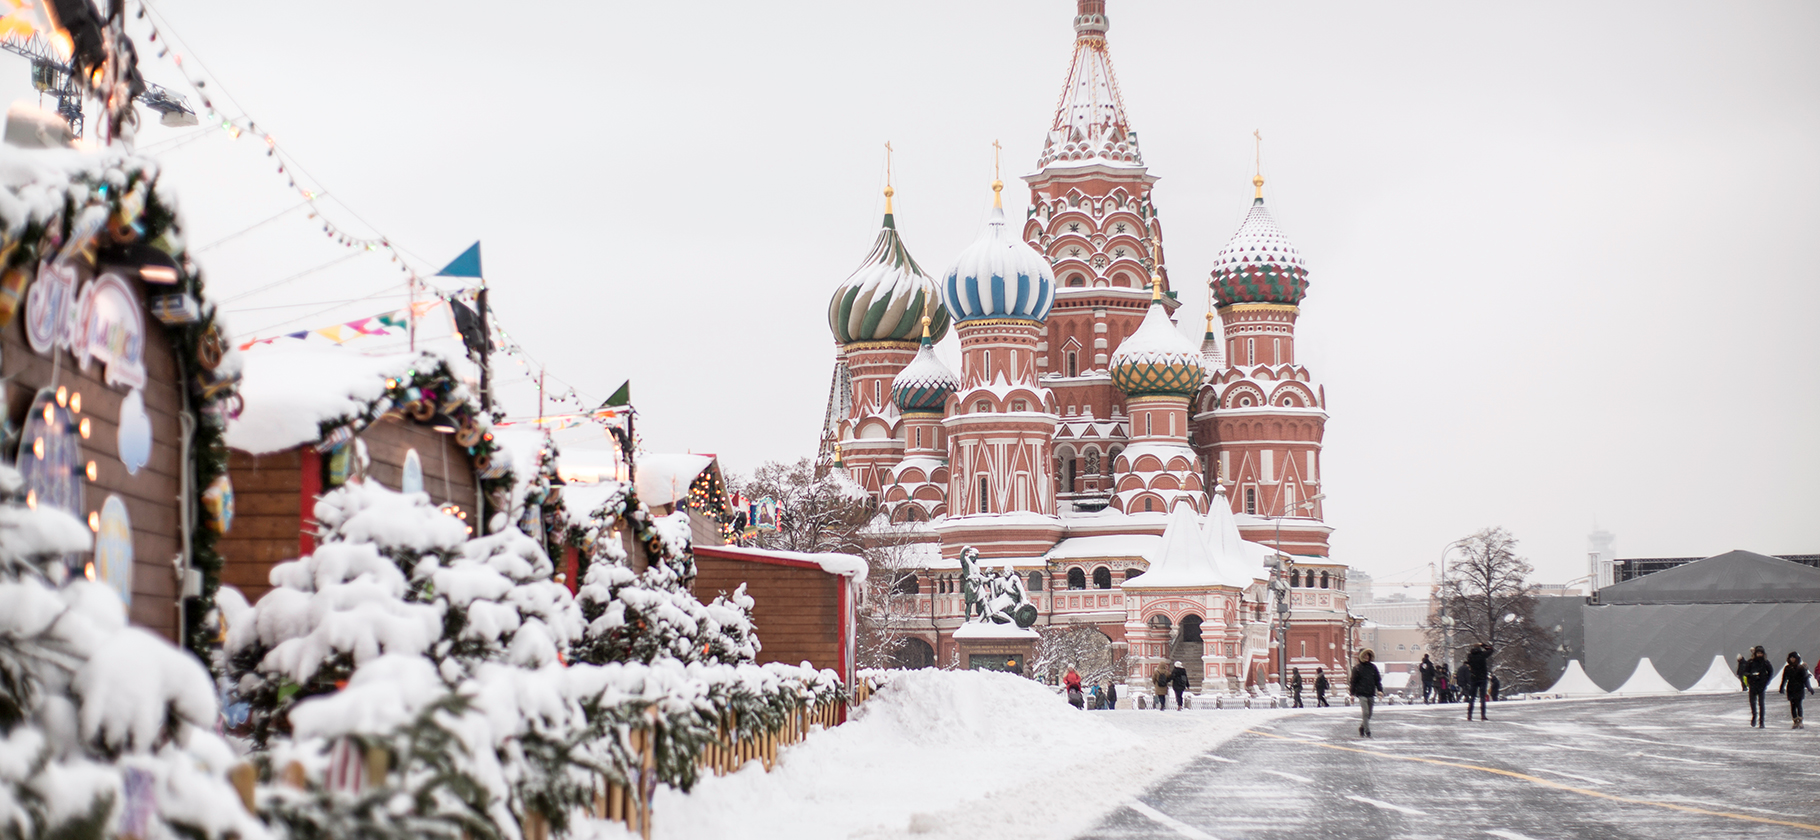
{"type": "Point", "coordinates": [1440, 687]}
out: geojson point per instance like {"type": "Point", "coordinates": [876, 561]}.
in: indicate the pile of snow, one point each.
{"type": "Point", "coordinates": [665, 477]}
{"type": "Point", "coordinates": [959, 754]}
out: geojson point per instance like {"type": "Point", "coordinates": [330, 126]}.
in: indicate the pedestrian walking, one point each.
{"type": "Point", "coordinates": [1112, 695]}
{"type": "Point", "coordinates": [1757, 673]}
{"type": "Point", "coordinates": [1366, 685]}
{"type": "Point", "coordinates": [1478, 682]}
{"type": "Point", "coordinates": [1743, 681]}
{"type": "Point", "coordinates": [1320, 689]}
{"type": "Point", "coordinates": [1795, 686]}
{"type": "Point", "coordinates": [1071, 681]}
{"type": "Point", "coordinates": [1179, 679]}
{"type": "Point", "coordinates": [1442, 689]}
{"type": "Point", "coordinates": [1427, 668]}
{"type": "Point", "coordinates": [1295, 685]}
{"type": "Point", "coordinates": [1494, 686]}
{"type": "Point", "coordinates": [1160, 679]}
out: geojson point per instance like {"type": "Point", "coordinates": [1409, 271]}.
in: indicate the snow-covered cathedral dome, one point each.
{"type": "Point", "coordinates": [1259, 265]}
{"type": "Point", "coordinates": [1157, 359]}
{"type": "Point", "coordinates": [999, 275]}
{"type": "Point", "coordinates": [884, 299]}
{"type": "Point", "coordinates": [925, 383]}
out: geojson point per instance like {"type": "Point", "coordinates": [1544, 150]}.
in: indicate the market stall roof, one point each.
{"type": "Point", "coordinates": [1735, 577]}
{"type": "Point", "coordinates": [664, 477]}
{"type": "Point", "coordinates": [291, 391]}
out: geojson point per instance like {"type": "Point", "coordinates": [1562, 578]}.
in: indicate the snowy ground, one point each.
{"type": "Point", "coordinates": [951, 755]}
{"type": "Point", "coordinates": [1669, 767]}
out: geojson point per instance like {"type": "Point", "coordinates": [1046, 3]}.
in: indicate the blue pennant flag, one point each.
{"type": "Point", "coordinates": [466, 265]}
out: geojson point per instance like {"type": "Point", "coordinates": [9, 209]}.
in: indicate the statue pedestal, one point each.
{"type": "Point", "coordinates": [984, 646]}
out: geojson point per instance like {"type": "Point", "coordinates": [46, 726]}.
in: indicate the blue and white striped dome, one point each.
{"type": "Point", "coordinates": [999, 276]}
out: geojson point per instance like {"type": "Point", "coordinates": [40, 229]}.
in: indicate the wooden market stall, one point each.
{"type": "Point", "coordinates": [319, 417]}
{"type": "Point", "coordinates": [804, 605]}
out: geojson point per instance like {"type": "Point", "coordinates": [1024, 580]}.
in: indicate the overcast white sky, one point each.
{"type": "Point", "coordinates": [1564, 262]}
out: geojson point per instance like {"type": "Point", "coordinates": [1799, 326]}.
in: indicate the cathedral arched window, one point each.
{"type": "Point", "coordinates": [1102, 578]}
{"type": "Point", "coordinates": [1073, 364]}
{"type": "Point", "coordinates": [1036, 581]}
{"type": "Point", "coordinates": [906, 585]}
{"type": "Point", "coordinates": [1076, 280]}
{"type": "Point", "coordinates": [1149, 504]}
{"type": "Point", "coordinates": [1323, 580]}
{"type": "Point", "coordinates": [1295, 577]}
{"type": "Point", "coordinates": [1077, 579]}
{"type": "Point", "coordinates": [983, 495]}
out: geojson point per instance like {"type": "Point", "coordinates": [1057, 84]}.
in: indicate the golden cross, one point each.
{"type": "Point", "coordinates": [887, 163]}
{"type": "Point", "coordinates": [1259, 134]}
{"type": "Point", "coordinates": [995, 150]}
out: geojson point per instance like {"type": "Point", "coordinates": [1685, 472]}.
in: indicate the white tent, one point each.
{"type": "Point", "coordinates": [1645, 682]}
{"type": "Point", "coordinates": [1575, 683]}
{"type": "Point", "coordinates": [1718, 679]}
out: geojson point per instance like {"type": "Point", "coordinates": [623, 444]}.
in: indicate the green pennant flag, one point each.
{"type": "Point", "coordinates": [466, 265]}
{"type": "Point", "coordinates": [623, 396]}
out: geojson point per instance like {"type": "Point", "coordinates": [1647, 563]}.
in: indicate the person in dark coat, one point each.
{"type": "Point", "coordinates": [1112, 695]}
{"type": "Point", "coordinates": [1743, 681]}
{"type": "Point", "coordinates": [1179, 679]}
{"type": "Point", "coordinates": [1295, 686]}
{"type": "Point", "coordinates": [1494, 686]}
{"type": "Point", "coordinates": [1795, 685]}
{"type": "Point", "coordinates": [1366, 685]}
{"type": "Point", "coordinates": [1443, 689]}
{"type": "Point", "coordinates": [1462, 680]}
{"type": "Point", "coordinates": [1757, 674]}
{"type": "Point", "coordinates": [1320, 689]}
{"type": "Point", "coordinates": [1427, 668]}
{"type": "Point", "coordinates": [1478, 682]}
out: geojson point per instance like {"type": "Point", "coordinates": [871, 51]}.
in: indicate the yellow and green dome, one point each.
{"type": "Point", "coordinates": [1157, 360]}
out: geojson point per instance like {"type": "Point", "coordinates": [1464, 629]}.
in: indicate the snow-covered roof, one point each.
{"type": "Point", "coordinates": [1575, 683]}
{"type": "Point", "coordinates": [664, 477]}
{"type": "Point", "coordinates": [1259, 264]}
{"type": "Point", "coordinates": [999, 276]}
{"type": "Point", "coordinates": [291, 389]}
{"type": "Point", "coordinates": [989, 630]}
{"type": "Point", "coordinates": [1105, 546]}
{"type": "Point", "coordinates": [884, 299]}
{"type": "Point", "coordinates": [925, 383]}
{"type": "Point", "coordinates": [1242, 562]}
{"type": "Point", "coordinates": [1182, 560]}
{"type": "Point", "coordinates": [1090, 125]}
{"type": "Point", "coordinates": [581, 500]}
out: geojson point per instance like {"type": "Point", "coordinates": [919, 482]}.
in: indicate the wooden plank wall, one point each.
{"type": "Point", "coordinates": [270, 512]}
{"type": "Point", "coordinates": [268, 517]}
{"type": "Point", "coordinates": [151, 495]}
{"type": "Point", "coordinates": [796, 610]}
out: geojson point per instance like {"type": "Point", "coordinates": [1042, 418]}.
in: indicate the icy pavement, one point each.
{"type": "Point", "coordinates": [943, 754]}
{"type": "Point", "coordinates": [1669, 767]}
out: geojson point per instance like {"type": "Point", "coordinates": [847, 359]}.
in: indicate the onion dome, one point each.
{"type": "Point", "coordinates": [1259, 265]}
{"type": "Point", "coordinates": [1157, 360]}
{"type": "Point", "coordinates": [999, 275]}
{"type": "Point", "coordinates": [881, 301]}
{"type": "Point", "coordinates": [925, 383]}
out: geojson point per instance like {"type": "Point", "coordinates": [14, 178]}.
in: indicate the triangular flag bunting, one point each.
{"type": "Point", "coordinates": [623, 396]}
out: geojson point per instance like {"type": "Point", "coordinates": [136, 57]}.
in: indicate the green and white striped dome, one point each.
{"type": "Point", "coordinates": [884, 299]}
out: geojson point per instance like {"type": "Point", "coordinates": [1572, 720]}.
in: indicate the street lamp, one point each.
{"type": "Point", "coordinates": [1447, 620]}
{"type": "Point", "coordinates": [1280, 585]}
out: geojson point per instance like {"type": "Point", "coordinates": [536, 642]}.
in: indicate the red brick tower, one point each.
{"type": "Point", "coordinates": [1260, 420]}
{"type": "Point", "coordinates": [1092, 216]}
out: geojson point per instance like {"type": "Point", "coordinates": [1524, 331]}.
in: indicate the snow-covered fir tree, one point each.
{"type": "Point", "coordinates": [105, 729]}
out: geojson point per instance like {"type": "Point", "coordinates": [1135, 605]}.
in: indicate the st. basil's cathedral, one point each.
{"type": "Point", "coordinates": [1141, 483]}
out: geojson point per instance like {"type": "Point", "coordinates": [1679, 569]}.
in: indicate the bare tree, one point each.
{"type": "Point", "coordinates": [1085, 649]}
{"type": "Point", "coordinates": [1490, 599]}
{"type": "Point", "coordinates": [816, 513]}
{"type": "Point", "coordinates": [894, 556]}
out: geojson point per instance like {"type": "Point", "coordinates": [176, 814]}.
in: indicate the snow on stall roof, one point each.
{"type": "Point", "coordinates": [1645, 681]}
{"type": "Point", "coordinates": [290, 389]}
{"type": "Point", "coordinates": [834, 563]}
{"type": "Point", "coordinates": [664, 477]}
{"type": "Point", "coordinates": [1718, 679]}
{"type": "Point", "coordinates": [581, 500]}
{"type": "Point", "coordinates": [1575, 683]}
{"type": "Point", "coordinates": [1182, 560]}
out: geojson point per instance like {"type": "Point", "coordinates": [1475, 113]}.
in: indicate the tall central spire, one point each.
{"type": "Point", "coordinates": [1090, 124]}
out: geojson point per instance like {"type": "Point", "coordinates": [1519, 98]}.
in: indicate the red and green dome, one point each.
{"type": "Point", "coordinates": [1259, 265]}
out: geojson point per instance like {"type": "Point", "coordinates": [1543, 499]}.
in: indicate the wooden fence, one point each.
{"type": "Point", "coordinates": [623, 804]}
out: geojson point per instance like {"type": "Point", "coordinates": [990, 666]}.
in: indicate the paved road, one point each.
{"type": "Point", "coordinates": [1684, 767]}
